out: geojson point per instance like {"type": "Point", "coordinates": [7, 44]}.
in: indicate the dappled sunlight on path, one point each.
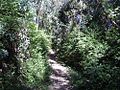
{"type": "Point", "coordinates": [59, 77]}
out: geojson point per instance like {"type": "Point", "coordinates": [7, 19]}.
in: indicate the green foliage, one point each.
{"type": "Point", "coordinates": [97, 78]}
{"type": "Point", "coordinates": [40, 41]}
{"type": "Point", "coordinates": [13, 33]}
{"type": "Point", "coordinates": [85, 34]}
{"type": "Point", "coordinates": [82, 49]}
{"type": "Point", "coordinates": [9, 80]}
{"type": "Point", "coordinates": [93, 51]}
{"type": "Point", "coordinates": [36, 71]}
{"type": "Point", "coordinates": [95, 62]}
{"type": "Point", "coordinates": [10, 25]}
{"type": "Point", "coordinates": [13, 9]}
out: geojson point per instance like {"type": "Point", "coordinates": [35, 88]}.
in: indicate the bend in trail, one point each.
{"type": "Point", "coordinates": [60, 79]}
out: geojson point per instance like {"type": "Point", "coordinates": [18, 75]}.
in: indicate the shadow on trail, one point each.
{"type": "Point", "coordinates": [60, 79]}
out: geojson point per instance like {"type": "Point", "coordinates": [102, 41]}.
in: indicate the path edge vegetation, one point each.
{"type": "Point", "coordinates": [84, 33]}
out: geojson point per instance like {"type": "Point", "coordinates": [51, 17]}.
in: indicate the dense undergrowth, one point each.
{"type": "Point", "coordinates": [84, 33]}
{"type": "Point", "coordinates": [95, 63]}
{"type": "Point", "coordinates": [94, 58]}
{"type": "Point", "coordinates": [36, 71]}
{"type": "Point", "coordinates": [23, 48]}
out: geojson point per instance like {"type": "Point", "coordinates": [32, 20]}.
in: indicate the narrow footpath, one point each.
{"type": "Point", "coordinates": [60, 79]}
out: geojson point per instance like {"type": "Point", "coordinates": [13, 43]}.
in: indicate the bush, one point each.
{"type": "Point", "coordinates": [95, 63]}
{"type": "Point", "coordinates": [98, 77]}
{"type": "Point", "coordinates": [40, 41]}
{"type": "Point", "coordinates": [81, 49]}
{"type": "Point", "coordinates": [36, 71]}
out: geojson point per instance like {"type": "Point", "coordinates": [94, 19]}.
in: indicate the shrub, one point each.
{"type": "Point", "coordinates": [40, 41]}
{"type": "Point", "coordinates": [95, 64]}
{"type": "Point", "coordinates": [36, 70]}
{"type": "Point", "coordinates": [102, 76]}
{"type": "Point", "coordinates": [81, 49]}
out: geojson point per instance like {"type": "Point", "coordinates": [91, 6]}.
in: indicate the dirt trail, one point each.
{"type": "Point", "coordinates": [60, 76]}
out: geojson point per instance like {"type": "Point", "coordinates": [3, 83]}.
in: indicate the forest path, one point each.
{"type": "Point", "coordinates": [60, 79]}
